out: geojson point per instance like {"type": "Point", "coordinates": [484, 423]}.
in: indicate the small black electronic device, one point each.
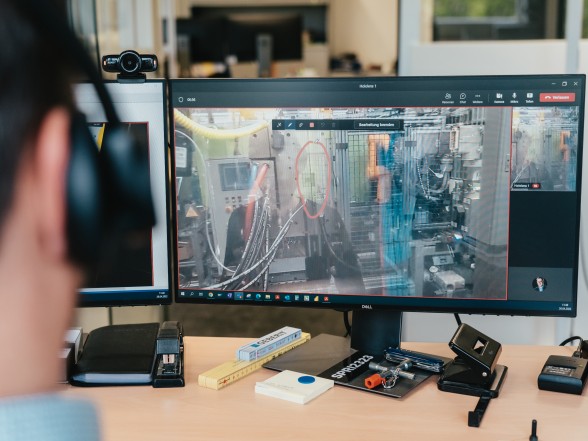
{"type": "Point", "coordinates": [563, 374]}
{"type": "Point", "coordinates": [130, 64]}
{"type": "Point", "coordinates": [169, 363]}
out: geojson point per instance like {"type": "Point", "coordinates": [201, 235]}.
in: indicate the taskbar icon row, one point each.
{"type": "Point", "coordinates": [239, 296]}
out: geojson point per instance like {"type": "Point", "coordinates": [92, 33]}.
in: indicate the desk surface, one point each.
{"type": "Point", "coordinates": [237, 412]}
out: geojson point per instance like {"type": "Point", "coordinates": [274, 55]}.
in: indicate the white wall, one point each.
{"type": "Point", "coordinates": [491, 57]}
{"type": "Point", "coordinates": [367, 28]}
{"type": "Point", "coordinates": [505, 329]}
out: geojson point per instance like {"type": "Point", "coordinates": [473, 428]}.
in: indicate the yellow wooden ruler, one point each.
{"type": "Point", "coordinates": [231, 371]}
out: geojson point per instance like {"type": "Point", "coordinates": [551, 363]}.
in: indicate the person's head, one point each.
{"type": "Point", "coordinates": [539, 281]}
{"type": "Point", "coordinates": [37, 278]}
{"type": "Point", "coordinates": [34, 80]}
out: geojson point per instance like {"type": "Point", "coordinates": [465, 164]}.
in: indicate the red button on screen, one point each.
{"type": "Point", "coordinates": [557, 97]}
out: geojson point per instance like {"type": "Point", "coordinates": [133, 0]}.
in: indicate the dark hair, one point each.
{"type": "Point", "coordinates": [34, 78]}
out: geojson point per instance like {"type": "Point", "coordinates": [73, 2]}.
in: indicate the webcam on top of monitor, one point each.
{"type": "Point", "coordinates": [130, 65]}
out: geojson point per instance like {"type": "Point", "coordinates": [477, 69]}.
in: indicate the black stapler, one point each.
{"type": "Point", "coordinates": [169, 361]}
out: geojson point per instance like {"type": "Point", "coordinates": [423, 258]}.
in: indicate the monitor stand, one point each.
{"type": "Point", "coordinates": [345, 360]}
{"type": "Point", "coordinates": [373, 331]}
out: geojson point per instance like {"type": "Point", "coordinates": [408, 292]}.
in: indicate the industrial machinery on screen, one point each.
{"type": "Point", "coordinates": [388, 201]}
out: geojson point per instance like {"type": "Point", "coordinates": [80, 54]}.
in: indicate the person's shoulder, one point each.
{"type": "Point", "coordinates": [48, 417]}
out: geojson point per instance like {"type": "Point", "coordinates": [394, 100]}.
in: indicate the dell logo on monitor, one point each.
{"type": "Point", "coordinates": [366, 306]}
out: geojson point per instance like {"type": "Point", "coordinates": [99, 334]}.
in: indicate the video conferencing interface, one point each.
{"type": "Point", "coordinates": [137, 271]}
{"type": "Point", "coordinates": [454, 194]}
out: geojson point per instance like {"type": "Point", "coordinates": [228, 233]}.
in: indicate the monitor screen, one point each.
{"type": "Point", "coordinates": [216, 36]}
{"type": "Point", "coordinates": [205, 38]}
{"type": "Point", "coordinates": [446, 194]}
{"type": "Point", "coordinates": [285, 31]}
{"type": "Point", "coordinates": [135, 271]}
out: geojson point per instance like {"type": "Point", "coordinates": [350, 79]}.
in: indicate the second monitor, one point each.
{"type": "Point", "coordinates": [134, 270]}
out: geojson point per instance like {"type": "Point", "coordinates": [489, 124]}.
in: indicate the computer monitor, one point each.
{"type": "Point", "coordinates": [378, 195]}
{"type": "Point", "coordinates": [217, 36]}
{"type": "Point", "coordinates": [205, 38]}
{"type": "Point", "coordinates": [134, 270]}
{"type": "Point", "coordinates": [284, 31]}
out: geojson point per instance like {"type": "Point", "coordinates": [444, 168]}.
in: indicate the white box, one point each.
{"type": "Point", "coordinates": [294, 386]}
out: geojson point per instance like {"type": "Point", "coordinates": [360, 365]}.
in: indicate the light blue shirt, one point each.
{"type": "Point", "coordinates": [47, 417]}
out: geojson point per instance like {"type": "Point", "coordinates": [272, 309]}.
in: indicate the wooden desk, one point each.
{"type": "Point", "coordinates": [238, 413]}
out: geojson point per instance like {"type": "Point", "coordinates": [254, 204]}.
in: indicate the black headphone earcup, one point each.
{"type": "Point", "coordinates": [124, 165]}
{"type": "Point", "coordinates": [108, 189]}
{"type": "Point", "coordinates": [85, 212]}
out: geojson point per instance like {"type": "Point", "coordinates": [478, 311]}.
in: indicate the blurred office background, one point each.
{"type": "Point", "coordinates": [201, 38]}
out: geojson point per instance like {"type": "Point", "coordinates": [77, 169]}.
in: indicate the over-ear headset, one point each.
{"type": "Point", "coordinates": [107, 190]}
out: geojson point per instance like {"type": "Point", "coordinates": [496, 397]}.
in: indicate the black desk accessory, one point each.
{"type": "Point", "coordinates": [563, 374]}
{"type": "Point", "coordinates": [475, 370]}
{"type": "Point", "coordinates": [134, 354]}
{"type": "Point", "coordinates": [566, 374]}
{"type": "Point", "coordinates": [533, 436]}
{"type": "Point", "coordinates": [169, 361]}
{"type": "Point", "coordinates": [117, 355]}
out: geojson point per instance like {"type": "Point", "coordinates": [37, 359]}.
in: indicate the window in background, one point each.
{"type": "Point", "coordinates": [498, 19]}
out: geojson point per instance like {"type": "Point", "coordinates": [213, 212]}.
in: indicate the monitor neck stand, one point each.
{"type": "Point", "coordinates": [475, 370]}
{"type": "Point", "coordinates": [374, 331]}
